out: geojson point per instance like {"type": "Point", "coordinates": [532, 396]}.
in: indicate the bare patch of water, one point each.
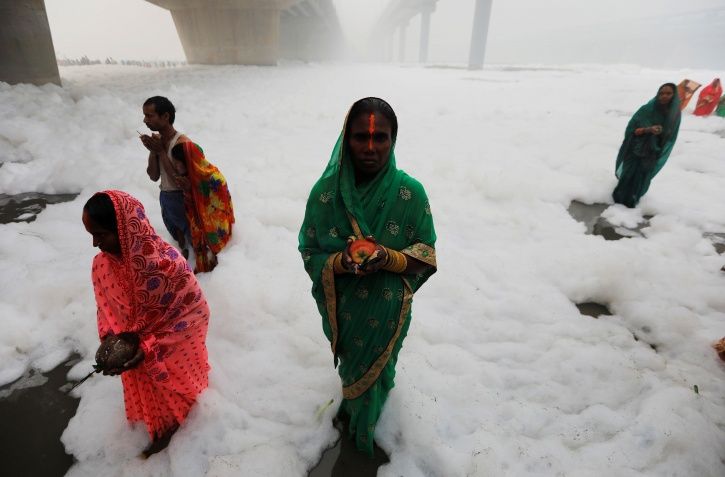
{"type": "Point", "coordinates": [34, 411]}
{"type": "Point", "coordinates": [25, 207]}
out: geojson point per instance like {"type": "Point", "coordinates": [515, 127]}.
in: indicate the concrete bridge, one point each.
{"type": "Point", "coordinates": [399, 13]}
{"type": "Point", "coordinates": [256, 32]}
{"type": "Point", "coordinates": [250, 32]}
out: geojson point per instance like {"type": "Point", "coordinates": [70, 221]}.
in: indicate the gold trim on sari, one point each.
{"type": "Point", "coordinates": [355, 226]}
{"type": "Point", "coordinates": [422, 252]}
{"type": "Point", "coordinates": [328, 284]}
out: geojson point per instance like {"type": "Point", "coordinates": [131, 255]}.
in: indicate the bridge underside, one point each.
{"type": "Point", "coordinates": [252, 32]}
{"type": "Point", "coordinates": [214, 32]}
{"type": "Point", "coordinates": [310, 31]}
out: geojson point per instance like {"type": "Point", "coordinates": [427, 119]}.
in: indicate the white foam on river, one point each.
{"type": "Point", "coordinates": [500, 374]}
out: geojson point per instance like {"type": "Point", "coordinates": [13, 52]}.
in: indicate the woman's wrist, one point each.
{"type": "Point", "coordinates": [396, 262]}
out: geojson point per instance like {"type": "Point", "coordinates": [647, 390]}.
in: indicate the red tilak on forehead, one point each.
{"type": "Point", "coordinates": [371, 129]}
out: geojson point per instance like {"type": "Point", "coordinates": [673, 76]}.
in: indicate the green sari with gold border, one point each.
{"type": "Point", "coordinates": [365, 318]}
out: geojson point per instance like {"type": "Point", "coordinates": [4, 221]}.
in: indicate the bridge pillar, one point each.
{"type": "Point", "coordinates": [389, 46]}
{"type": "Point", "coordinates": [402, 32]}
{"type": "Point", "coordinates": [481, 20]}
{"type": "Point", "coordinates": [26, 46]}
{"type": "Point", "coordinates": [219, 32]}
{"type": "Point", "coordinates": [424, 36]}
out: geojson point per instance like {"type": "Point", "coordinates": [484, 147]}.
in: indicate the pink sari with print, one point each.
{"type": "Point", "coordinates": [150, 290]}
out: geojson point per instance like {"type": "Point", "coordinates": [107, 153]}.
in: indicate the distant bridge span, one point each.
{"type": "Point", "coordinates": [399, 13]}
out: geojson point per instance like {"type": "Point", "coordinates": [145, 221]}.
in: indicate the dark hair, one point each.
{"type": "Point", "coordinates": [101, 211]}
{"type": "Point", "coordinates": [671, 85]}
{"type": "Point", "coordinates": [162, 105]}
{"type": "Point", "coordinates": [373, 105]}
{"type": "Point", "coordinates": [177, 152]}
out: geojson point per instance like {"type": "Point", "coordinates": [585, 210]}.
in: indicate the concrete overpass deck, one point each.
{"type": "Point", "coordinates": [249, 32]}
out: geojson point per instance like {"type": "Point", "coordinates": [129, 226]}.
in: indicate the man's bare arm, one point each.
{"type": "Point", "coordinates": [153, 168]}
{"type": "Point", "coordinates": [172, 167]}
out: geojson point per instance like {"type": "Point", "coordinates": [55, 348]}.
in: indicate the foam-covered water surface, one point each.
{"type": "Point", "coordinates": [500, 374]}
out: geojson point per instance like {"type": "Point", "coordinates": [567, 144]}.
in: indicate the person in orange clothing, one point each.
{"type": "Point", "coordinates": [147, 294]}
{"type": "Point", "coordinates": [708, 99]}
{"type": "Point", "coordinates": [207, 202]}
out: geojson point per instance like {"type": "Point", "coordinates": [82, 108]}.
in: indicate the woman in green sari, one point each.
{"type": "Point", "coordinates": [648, 141]}
{"type": "Point", "coordinates": [366, 309]}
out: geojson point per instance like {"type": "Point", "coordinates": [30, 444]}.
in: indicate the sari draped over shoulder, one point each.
{"type": "Point", "coordinates": [150, 290]}
{"type": "Point", "coordinates": [365, 318]}
{"type": "Point", "coordinates": [208, 206]}
{"type": "Point", "coordinates": [708, 99]}
{"type": "Point", "coordinates": [642, 156]}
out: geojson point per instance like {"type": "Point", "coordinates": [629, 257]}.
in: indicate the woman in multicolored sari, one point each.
{"type": "Point", "coordinates": [366, 309]}
{"type": "Point", "coordinates": [207, 202]}
{"type": "Point", "coordinates": [648, 142]}
{"type": "Point", "coordinates": [147, 294]}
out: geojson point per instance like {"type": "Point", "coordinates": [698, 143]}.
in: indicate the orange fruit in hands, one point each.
{"type": "Point", "coordinates": [360, 250]}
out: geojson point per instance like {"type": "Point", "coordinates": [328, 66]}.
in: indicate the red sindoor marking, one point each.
{"type": "Point", "coordinates": [371, 130]}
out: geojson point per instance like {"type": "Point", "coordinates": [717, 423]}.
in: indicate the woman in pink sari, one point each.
{"type": "Point", "coordinates": [145, 290]}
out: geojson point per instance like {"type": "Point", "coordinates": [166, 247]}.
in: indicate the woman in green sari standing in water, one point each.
{"type": "Point", "coordinates": [648, 141]}
{"type": "Point", "coordinates": [366, 308]}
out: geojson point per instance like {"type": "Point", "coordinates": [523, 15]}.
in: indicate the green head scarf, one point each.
{"type": "Point", "coordinates": [392, 207]}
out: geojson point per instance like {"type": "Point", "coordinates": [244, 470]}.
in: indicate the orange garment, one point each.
{"type": "Point", "coordinates": [685, 90]}
{"type": "Point", "coordinates": [150, 290]}
{"type": "Point", "coordinates": [708, 99]}
{"type": "Point", "coordinates": [208, 207]}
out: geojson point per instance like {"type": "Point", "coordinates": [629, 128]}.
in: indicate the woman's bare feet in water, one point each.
{"type": "Point", "coordinates": [157, 445]}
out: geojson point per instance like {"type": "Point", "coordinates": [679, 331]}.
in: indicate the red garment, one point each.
{"type": "Point", "coordinates": [708, 99]}
{"type": "Point", "coordinates": [150, 290]}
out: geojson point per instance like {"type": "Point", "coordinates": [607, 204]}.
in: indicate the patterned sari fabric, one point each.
{"type": "Point", "coordinates": [685, 90]}
{"type": "Point", "coordinates": [365, 318]}
{"type": "Point", "coordinates": [208, 208]}
{"type": "Point", "coordinates": [643, 155]}
{"type": "Point", "coordinates": [708, 99]}
{"type": "Point", "coordinates": [150, 290]}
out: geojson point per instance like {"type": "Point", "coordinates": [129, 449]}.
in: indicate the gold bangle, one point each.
{"type": "Point", "coordinates": [397, 262]}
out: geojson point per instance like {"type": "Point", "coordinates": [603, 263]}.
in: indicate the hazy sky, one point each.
{"type": "Point", "coordinates": [135, 29]}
